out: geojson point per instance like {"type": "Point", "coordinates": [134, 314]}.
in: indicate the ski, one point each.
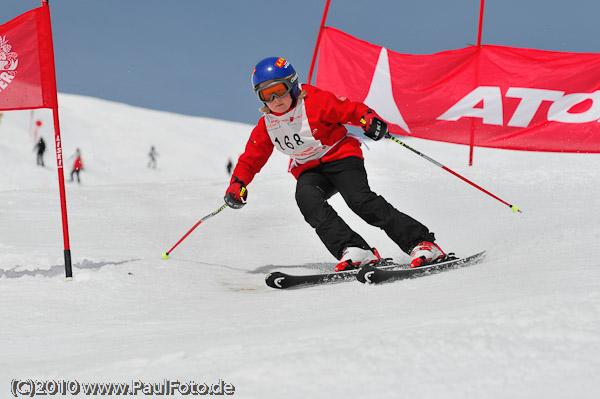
{"type": "Point", "coordinates": [375, 275]}
{"type": "Point", "coordinates": [280, 280]}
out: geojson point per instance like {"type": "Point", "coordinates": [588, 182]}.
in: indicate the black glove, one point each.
{"type": "Point", "coordinates": [375, 128]}
{"type": "Point", "coordinates": [236, 194]}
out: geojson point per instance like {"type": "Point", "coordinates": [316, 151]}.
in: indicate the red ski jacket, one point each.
{"type": "Point", "coordinates": [78, 164]}
{"type": "Point", "coordinates": [310, 133]}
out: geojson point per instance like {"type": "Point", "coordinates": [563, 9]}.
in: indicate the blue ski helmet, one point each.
{"type": "Point", "coordinates": [276, 68]}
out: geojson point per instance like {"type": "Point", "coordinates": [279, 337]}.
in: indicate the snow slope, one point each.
{"type": "Point", "coordinates": [524, 324]}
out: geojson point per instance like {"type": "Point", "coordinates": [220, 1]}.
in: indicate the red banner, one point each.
{"type": "Point", "coordinates": [27, 78]}
{"type": "Point", "coordinates": [512, 98]}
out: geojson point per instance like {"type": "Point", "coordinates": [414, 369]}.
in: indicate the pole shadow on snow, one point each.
{"type": "Point", "coordinates": [58, 270]}
{"type": "Point", "coordinates": [321, 267]}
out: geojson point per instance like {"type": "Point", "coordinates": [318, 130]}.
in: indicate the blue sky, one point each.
{"type": "Point", "coordinates": [195, 57]}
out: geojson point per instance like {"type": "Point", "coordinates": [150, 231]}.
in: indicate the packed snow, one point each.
{"type": "Point", "coordinates": [523, 324]}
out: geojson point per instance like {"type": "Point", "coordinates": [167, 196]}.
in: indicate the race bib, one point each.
{"type": "Point", "coordinates": [292, 135]}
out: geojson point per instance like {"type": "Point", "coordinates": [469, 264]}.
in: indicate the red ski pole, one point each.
{"type": "Point", "coordinates": [165, 255]}
{"type": "Point", "coordinates": [514, 208]}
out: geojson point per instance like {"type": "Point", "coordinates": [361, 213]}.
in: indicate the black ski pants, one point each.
{"type": "Point", "coordinates": [348, 177]}
{"type": "Point", "coordinates": [76, 173]}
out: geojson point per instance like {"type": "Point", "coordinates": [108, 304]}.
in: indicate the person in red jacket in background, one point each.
{"type": "Point", "coordinates": [77, 165]}
{"type": "Point", "coordinates": [307, 124]}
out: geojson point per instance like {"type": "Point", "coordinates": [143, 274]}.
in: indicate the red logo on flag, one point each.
{"type": "Point", "coordinates": [8, 58]}
{"type": "Point", "coordinates": [8, 63]}
{"type": "Point", "coordinates": [26, 45]}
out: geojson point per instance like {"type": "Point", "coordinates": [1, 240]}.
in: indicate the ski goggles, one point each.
{"type": "Point", "coordinates": [278, 88]}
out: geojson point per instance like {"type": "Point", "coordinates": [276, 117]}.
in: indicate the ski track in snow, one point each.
{"type": "Point", "coordinates": [523, 324]}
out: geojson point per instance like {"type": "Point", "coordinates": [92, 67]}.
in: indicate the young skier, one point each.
{"type": "Point", "coordinates": [152, 155]}
{"type": "Point", "coordinates": [40, 147]}
{"type": "Point", "coordinates": [229, 166]}
{"type": "Point", "coordinates": [77, 165]}
{"type": "Point", "coordinates": [306, 124]}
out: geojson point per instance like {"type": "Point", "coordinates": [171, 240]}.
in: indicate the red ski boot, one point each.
{"type": "Point", "coordinates": [354, 257]}
{"type": "Point", "coordinates": [425, 253]}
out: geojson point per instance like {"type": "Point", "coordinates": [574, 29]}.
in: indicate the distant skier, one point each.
{"type": "Point", "coordinates": [152, 155]}
{"type": "Point", "coordinates": [77, 165]}
{"type": "Point", "coordinates": [40, 146]}
{"type": "Point", "coordinates": [229, 166]}
{"type": "Point", "coordinates": [307, 124]}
